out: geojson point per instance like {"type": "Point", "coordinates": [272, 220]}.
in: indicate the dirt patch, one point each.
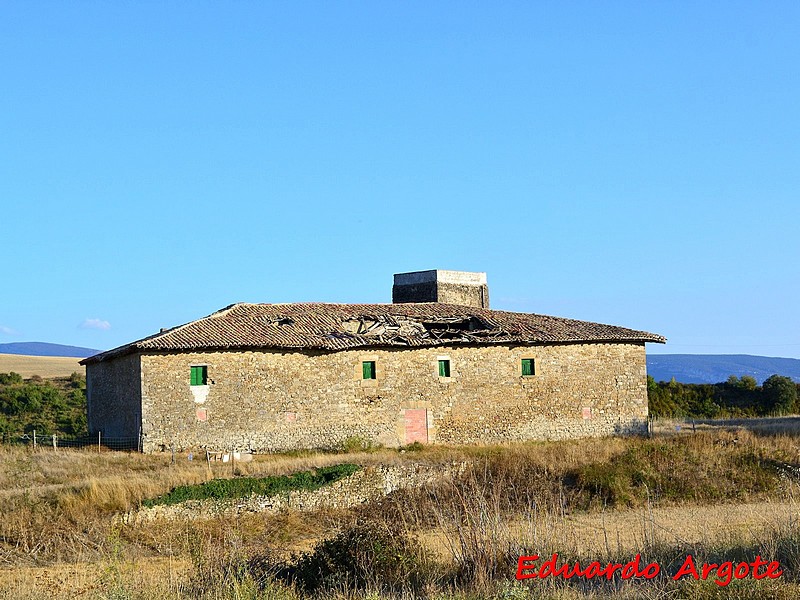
{"type": "Point", "coordinates": [87, 580]}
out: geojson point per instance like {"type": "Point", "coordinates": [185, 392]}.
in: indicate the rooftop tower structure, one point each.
{"type": "Point", "coordinates": [448, 287]}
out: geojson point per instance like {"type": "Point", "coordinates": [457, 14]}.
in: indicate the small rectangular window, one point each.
{"type": "Point", "coordinates": [199, 375]}
{"type": "Point", "coordinates": [444, 368]}
{"type": "Point", "coordinates": [528, 367]}
{"type": "Point", "coordinates": [368, 369]}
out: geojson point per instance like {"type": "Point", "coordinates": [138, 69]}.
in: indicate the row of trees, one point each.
{"type": "Point", "coordinates": [736, 397]}
{"type": "Point", "coordinates": [47, 406]}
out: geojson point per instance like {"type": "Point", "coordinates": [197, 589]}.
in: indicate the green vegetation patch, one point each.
{"type": "Point", "coordinates": [47, 406]}
{"type": "Point", "coordinates": [357, 444]}
{"type": "Point", "coordinates": [736, 397]}
{"type": "Point", "coordinates": [676, 470]}
{"type": "Point", "coordinates": [363, 556]}
{"type": "Point", "coordinates": [242, 487]}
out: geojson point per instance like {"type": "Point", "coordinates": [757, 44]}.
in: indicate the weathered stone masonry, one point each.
{"type": "Point", "coordinates": [113, 398]}
{"type": "Point", "coordinates": [274, 400]}
{"type": "Point", "coordinates": [436, 365]}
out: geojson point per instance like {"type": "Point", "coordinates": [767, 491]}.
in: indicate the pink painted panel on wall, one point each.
{"type": "Point", "coordinates": [416, 420]}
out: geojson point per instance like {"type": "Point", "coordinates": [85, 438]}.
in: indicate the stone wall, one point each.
{"type": "Point", "coordinates": [448, 293]}
{"type": "Point", "coordinates": [463, 295]}
{"type": "Point", "coordinates": [113, 397]}
{"type": "Point", "coordinates": [278, 400]}
{"type": "Point", "coordinates": [366, 485]}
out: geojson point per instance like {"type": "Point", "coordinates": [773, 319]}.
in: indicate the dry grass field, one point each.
{"type": "Point", "coordinates": [724, 493]}
{"type": "Point", "coordinates": [44, 366]}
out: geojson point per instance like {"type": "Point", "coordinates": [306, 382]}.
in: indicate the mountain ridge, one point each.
{"type": "Point", "coordinates": [46, 349]}
{"type": "Point", "coordinates": [716, 368]}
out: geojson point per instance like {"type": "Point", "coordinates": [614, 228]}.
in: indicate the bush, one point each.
{"type": "Point", "coordinates": [10, 378]}
{"type": "Point", "coordinates": [357, 443]}
{"type": "Point", "coordinates": [413, 447]}
{"type": "Point", "coordinates": [367, 555]}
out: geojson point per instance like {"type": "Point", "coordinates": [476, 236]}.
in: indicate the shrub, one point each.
{"type": "Point", "coordinates": [414, 447]}
{"type": "Point", "coordinates": [10, 378]}
{"type": "Point", "coordinates": [367, 555]}
{"type": "Point", "coordinates": [356, 443]}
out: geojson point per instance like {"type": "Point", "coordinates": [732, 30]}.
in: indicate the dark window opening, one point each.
{"type": "Point", "coordinates": [368, 369]}
{"type": "Point", "coordinates": [528, 367]}
{"type": "Point", "coordinates": [444, 368]}
{"type": "Point", "coordinates": [199, 375]}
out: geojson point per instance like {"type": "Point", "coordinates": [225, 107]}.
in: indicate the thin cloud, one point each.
{"type": "Point", "coordinates": [95, 324]}
{"type": "Point", "coordinates": [8, 331]}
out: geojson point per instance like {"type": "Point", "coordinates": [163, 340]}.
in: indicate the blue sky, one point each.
{"type": "Point", "coordinates": [635, 163]}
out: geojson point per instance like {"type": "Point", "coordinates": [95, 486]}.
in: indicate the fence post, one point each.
{"type": "Point", "coordinates": [139, 440]}
{"type": "Point", "coordinates": [34, 439]}
{"type": "Point", "coordinates": [98, 442]}
{"type": "Point", "coordinates": [55, 444]}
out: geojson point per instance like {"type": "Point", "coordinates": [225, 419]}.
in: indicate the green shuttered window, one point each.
{"type": "Point", "coordinates": [528, 367]}
{"type": "Point", "coordinates": [199, 375]}
{"type": "Point", "coordinates": [368, 369]}
{"type": "Point", "coordinates": [444, 368]}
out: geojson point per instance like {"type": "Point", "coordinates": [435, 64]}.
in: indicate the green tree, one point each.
{"type": "Point", "coordinates": [780, 394]}
{"type": "Point", "coordinates": [748, 382]}
{"type": "Point", "coordinates": [659, 399]}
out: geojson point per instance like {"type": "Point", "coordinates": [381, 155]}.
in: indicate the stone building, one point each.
{"type": "Point", "coordinates": [436, 365]}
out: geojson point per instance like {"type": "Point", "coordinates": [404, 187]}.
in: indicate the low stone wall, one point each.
{"type": "Point", "coordinates": [369, 483]}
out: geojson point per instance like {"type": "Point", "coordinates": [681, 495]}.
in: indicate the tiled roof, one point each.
{"type": "Point", "coordinates": [332, 327]}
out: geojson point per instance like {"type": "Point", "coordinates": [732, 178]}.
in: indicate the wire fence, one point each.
{"type": "Point", "coordinates": [771, 425]}
{"type": "Point", "coordinates": [36, 440]}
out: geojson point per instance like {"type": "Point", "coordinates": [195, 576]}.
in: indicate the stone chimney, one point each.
{"type": "Point", "coordinates": [449, 287]}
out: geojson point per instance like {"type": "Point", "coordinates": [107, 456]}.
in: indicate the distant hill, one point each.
{"type": "Point", "coordinates": [714, 368]}
{"type": "Point", "coordinates": [45, 349]}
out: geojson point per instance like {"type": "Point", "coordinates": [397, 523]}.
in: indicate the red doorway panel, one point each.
{"type": "Point", "coordinates": [416, 425]}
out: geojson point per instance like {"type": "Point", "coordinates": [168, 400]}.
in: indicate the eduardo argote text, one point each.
{"type": "Point", "coordinates": [529, 567]}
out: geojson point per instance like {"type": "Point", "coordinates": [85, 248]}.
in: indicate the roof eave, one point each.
{"type": "Point", "coordinates": [135, 347]}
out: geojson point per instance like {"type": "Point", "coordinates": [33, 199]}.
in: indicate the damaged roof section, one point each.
{"type": "Point", "coordinates": [332, 327]}
{"type": "Point", "coordinates": [388, 327]}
